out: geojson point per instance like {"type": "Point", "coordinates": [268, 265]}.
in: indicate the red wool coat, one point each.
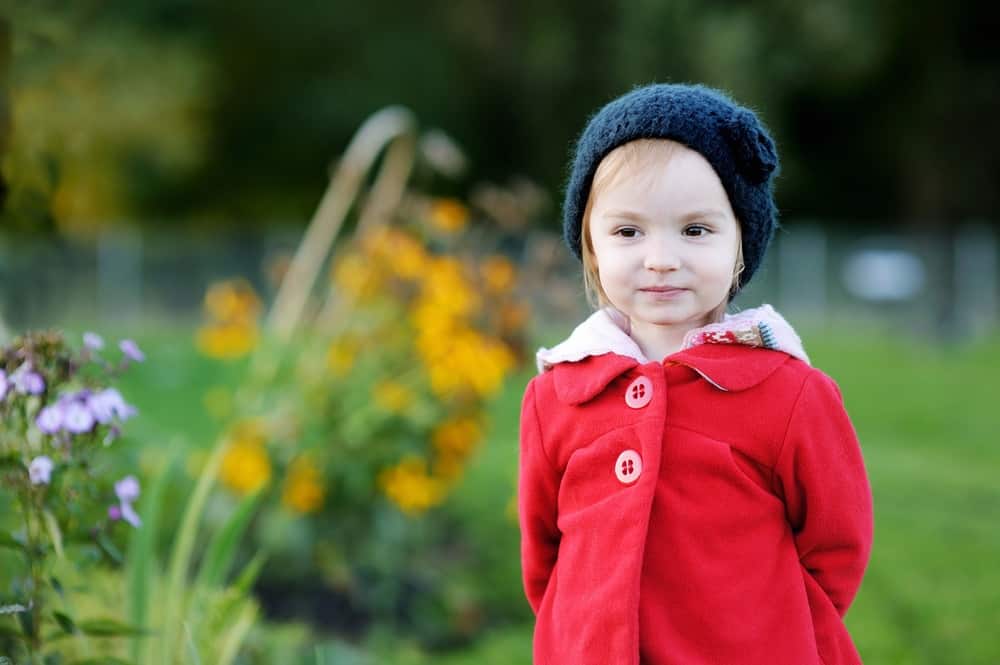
{"type": "Point", "coordinates": [712, 508]}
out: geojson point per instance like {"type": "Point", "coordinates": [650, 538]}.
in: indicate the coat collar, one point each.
{"type": "Point", "coordinates": [732, 355]}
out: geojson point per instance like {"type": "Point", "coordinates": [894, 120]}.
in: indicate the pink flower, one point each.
{"type": "Point", "coordinates": [4, 384]}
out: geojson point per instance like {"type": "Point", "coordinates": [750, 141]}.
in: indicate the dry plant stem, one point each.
{"type": "Point", "coordinates": [379, 130]}
{"type": "Point", "coordinates": [383, 199]}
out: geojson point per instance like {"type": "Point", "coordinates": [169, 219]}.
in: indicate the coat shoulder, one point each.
{"type": "Point", "coordinates": [791, 377]}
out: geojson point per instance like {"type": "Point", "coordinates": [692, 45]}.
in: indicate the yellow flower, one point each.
{"type": "Point", "coordinates": [447, 289]}
{"type": "Point", "coordinates": [448, 215]}
{"type": "Point", "coordinates": [408, 485]}
{"type": "Point", "coordinates": [303, 491]}
{"type": "Point", "coordinates": [399, 251]}
{"type": "Point", "coordinates": [467, 360]}
{"type": "Point", "coordinates": [448, 467]}
{"type": "Point", "coordinates": [453, 440]}
{"type": "Point", "coordinates": [357, 276]}
{"type": "Point", "coordinates": [410, 260]}
{"type": "Point", "coordinates": [245, 465]}
{"type": "Point", "coordinates": [457, 436]}
{"type": "Point", "coordinates": [232, 301]}
{"type": "Point", "coordinates": [232, 307]}
{"type": "Point", "coordinates": [498, 274]}
{"type": "Point", "coordinates": [392, 396]}
{"type": "Point", "coordinates": [227, 340]}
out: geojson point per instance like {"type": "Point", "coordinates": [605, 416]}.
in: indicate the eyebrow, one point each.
{"type": "Point", "coordinates": [694, 214]}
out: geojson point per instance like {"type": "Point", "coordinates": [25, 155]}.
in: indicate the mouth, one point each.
{"type": "Point", "coordinates": [663, 289]}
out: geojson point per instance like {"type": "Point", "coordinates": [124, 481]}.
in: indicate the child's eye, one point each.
{"type": "Point", "coordinates": [627, 232]}
{"type": "Point", "coordinates": [696, 231]}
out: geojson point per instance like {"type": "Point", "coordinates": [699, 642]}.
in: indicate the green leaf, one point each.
{"type": "Point", "coordinates": [250, 572]}
{"type": "Point", "coordinates": [103, 660]}
{"type": "Point", "coordinates": [12, 462]}
{"type": "Point", "coordinates": [180, 557]}
{"type": "Point", "coordinates": [109, 547]}
{"type": "Point", "coordinates": [55, 533]}
{"type": "Point", "coordinates": [11, 632]}
{"type": "Point", "coordinates": [7, 540]}
{"type": "Point", "coordinates": [27, 621]}
{"type": "Point", "coordinates": [141, 562]}
{"type": "Point", "coordinates": [108, 628]}
{"type": "Point", "coordinates": [57, 585]}
{"type": "Point", "coordinates": [222, 549]}
{"type": "Point", "coordinates": [191, 648]}
{"type": "Point", "coordinates": [65, 622]}
{"type": "Point", "coordinates": [234, 637]}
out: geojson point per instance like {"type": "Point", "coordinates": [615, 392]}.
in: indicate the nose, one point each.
{"type": "Point", "coordinates": [662, 256]}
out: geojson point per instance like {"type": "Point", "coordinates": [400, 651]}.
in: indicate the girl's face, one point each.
{"type": "Point", "coordinates": [665, 241]}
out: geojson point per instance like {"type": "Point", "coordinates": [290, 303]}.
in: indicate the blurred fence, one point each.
{"type": "Point", "coordinates": [943, 287]}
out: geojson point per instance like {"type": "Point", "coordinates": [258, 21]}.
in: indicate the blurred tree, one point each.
{"type": "Point", "coordinates": [190, 110]}
{"type": "Point", "coordinates": [4, 100]}
{"type": "Point", "coordinates": [103, 111]}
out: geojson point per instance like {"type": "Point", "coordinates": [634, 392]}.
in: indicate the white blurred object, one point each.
{"type": "Point", "coordinates": [443, 153]}
{"type": "Point", "coordinates": [884, 274]}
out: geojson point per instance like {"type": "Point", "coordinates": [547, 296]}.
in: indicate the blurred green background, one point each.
{"type": "Point", "coordinates": [151, 148]}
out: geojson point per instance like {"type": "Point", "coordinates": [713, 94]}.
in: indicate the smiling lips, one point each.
{"type": "Point", "coordinates": [666, 290]}
{"type": "Point", "coordinates": [663, 293]}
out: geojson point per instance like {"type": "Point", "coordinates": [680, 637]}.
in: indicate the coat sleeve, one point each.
{"type": "Point", "coordinates": [538, 489]}
{"type": "Point", "coordinates": [828, 503]}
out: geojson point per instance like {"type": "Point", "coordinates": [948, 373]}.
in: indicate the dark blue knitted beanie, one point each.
{"type": "Point", "coordinates": [728, 135]}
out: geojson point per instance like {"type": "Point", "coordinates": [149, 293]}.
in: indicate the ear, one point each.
{"type": "Point", "coordinates": [753, 150]}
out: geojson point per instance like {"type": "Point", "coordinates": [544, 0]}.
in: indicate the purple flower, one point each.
{"type": "Point", "coordinates": [40, 470]}
{"type": "Point", "coordinates": [4, 385]}
{"type": "Point", "coordinates": [77, 418]}
{"type": "Point", "coordinates": [93, 341]}
{"type": "Point", "coordinates": [27, 381]}
{"type": "Point", "coordinates": [114, 513]}
{"type": "Point", "coordinates": [130, 516]}
{"type": "Point", "coordinates": [108, 404]}
{"type": "Point", "coordinates": [127, 490]}
{"type": "Point", "coordinates": [50, 419]}
{"type": "Point", "coordinates": [131, 350]}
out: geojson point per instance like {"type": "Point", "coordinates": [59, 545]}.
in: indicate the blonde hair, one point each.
{"type": "Point", "coordinates": [634, 154]}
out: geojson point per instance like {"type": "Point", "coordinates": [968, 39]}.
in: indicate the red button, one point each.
{"type": "Point", "coordinates": [639, 393]}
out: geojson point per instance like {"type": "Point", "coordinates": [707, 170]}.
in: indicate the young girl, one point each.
{"type": "Point", "coordinates": [691, 490]}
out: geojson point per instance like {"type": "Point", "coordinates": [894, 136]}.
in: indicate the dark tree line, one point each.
{"type": "Point", "coordinates": [884, 112]}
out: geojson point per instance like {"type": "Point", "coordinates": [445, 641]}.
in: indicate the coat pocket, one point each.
{"type": "Point", "coordinates": [600, 474]}
{"type": "Point", "coordinates": [752, 470]}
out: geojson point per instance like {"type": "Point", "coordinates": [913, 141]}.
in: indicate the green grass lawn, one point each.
{"type": "Point", "coordinates": [927, 418]}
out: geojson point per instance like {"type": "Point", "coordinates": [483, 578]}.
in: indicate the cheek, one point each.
{"type": "Point", "coordinates": [612, 263]}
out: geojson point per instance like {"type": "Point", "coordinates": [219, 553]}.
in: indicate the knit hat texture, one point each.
{"type": "Point", "coordinates": [728, 135]}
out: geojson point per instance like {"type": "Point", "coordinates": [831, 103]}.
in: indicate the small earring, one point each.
{"type": "Point", "coordinates": [736, 278]}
